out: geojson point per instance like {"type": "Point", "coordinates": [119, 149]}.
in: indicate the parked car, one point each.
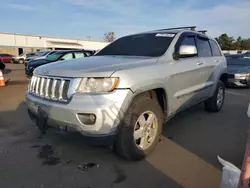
{"type": "Point", "coordinates": [2, 65]}
{"type": "Point", "coordinates": [238, 68]}
{"type": "Point", "coordinates": [53, 57]}
{"type": "Point", "coordinates": [21, 58]}
{"type": "Point", "coordinates": [129, 89]}
{"type": "Point", "coordinates": [39, 55]}
{"type": "Point", "coordinates": [6, 58]}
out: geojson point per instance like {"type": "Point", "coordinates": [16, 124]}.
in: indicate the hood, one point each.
{"type": "Point", "coordinates": [38, 62]}
{"type": "Point", "coordinates": [233, 69]}
{"type": "Point", "coordinates": [36, 57]}
{"type": "Point", "coordinates": [101, 66]}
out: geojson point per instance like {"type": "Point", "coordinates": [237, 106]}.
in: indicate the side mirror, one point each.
{"type": "Point", "coordinates": [186, 51]}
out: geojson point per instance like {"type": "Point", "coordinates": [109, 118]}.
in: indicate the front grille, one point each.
{"type": "Point", "coordinates": [52, 88]}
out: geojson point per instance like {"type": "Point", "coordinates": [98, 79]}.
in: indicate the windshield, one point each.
{"type": "Point", "coordinates": [42, 53]}
{"type": "Point", "coordinates": [151, 44]}
{"type": "Point", "coordinates": [241, 60]}
{"type": "Point", "coordinates": [54, 56]}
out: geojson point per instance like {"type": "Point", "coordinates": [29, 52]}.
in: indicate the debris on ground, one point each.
{"type": "Point", "coordinates": [51, 160]}
{"type": "Point", "coordinates": [121, 175]}
{"type": "Point", "coordinates": [47, 153]}
{"type": "Point", "coordinates": [40, 137]}
{"type": "Point", "coordinates": [68, 161]}
{"type": "Point", "coordinates": [87, 166]}
{"type": "Point", "coordinates": [35, 146]}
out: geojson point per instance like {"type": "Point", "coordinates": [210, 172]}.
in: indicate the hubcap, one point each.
{"type": "Point", "coordinates": [145, 130]}
{"type": "Point", "coordinates": [220, 97]}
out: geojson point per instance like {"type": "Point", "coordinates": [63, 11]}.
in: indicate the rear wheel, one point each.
{"type": "Point", "coordinates": [215, 103]}
{"type": "Point", "coordinates": [21, 61]}
{"type": "Point", "coordinates": [142, 127]}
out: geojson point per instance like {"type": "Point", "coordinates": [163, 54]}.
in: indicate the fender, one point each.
{"type": "Point", "coordinates": [156, 87]}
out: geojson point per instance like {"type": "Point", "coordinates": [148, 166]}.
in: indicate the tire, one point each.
{"type": "Point", "coordinates": [211, 105]}
{"type": "Point", "coordinates": [126, 145]}
{"type": "Point", "coordinates": [21, 61]}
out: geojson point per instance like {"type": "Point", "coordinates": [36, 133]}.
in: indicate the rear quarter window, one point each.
{"type": "Point", "coordinates": [215, 48]}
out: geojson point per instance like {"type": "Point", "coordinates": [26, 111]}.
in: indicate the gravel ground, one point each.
{"type": "Point", "coordinates": [185, 157]}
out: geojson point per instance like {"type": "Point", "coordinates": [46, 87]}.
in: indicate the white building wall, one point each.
{"type": "Point", "coordinates": [31, 41]}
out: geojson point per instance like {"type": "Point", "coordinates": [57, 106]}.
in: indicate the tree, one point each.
{"type": "Point", "coordinates": [229, 43]}
{"type": "Point", "coordinates": [109, 37]}
{"type": "Point", "coordinates": [225, 42]}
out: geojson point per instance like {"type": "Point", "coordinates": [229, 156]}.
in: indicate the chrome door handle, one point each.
{"type": "Point", "coordinates": [199, 63]}
{"type": "Point", "coordinates": [216, 60]}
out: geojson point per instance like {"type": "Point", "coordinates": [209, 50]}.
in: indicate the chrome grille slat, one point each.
{"type": "Point", "coordinates": [61, 89]}
{"type": "Point", "coordinates": [37, 85]}
{"type": "Point", "coordinates": [47, 88]}
{"type": "Point", "coordinates": [51, 88]}
{"type": "Point", "coordinates": [42, 87]}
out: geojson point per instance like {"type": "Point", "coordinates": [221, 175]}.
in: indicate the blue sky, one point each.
{"type": "Point", "coordinates": [82, 18]}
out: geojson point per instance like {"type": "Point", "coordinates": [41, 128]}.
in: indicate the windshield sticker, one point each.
{"type": "Point", "coordinates": [164, 35]}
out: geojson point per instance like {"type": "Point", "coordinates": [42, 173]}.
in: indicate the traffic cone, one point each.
{"type": "Point", "coordinates": [2, 82]}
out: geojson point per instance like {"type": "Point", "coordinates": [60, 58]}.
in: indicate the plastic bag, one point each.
{"type": "Point", "coordinates": [230, 175]}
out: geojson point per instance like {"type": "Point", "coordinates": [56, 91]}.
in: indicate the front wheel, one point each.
{"type": "Point", "coordinates": [215, 103]}
{"type": "Point", "coordinates": [142, 127]}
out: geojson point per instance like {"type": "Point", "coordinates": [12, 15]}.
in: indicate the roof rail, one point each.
{"type": "Point", "coordinates": [175, 28]}
{"type": "Point", "coordinates": [202, 31]}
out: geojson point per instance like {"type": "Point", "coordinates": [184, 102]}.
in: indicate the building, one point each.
{"type": "Point", "coordinates": [16, 44]}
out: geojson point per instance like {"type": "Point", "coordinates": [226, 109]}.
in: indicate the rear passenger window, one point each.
{"type": "Point", "coordinates": [204, 49]}
{"type": "Point", "coordinates": [215, 48]}
{"type": "Point", "coordinates": [79, 54]}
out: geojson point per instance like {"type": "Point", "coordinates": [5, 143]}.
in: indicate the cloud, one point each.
{"type": "Point", "coordinates": [20, 7]}
{"type": "Point", "coordinates": [131, 16]}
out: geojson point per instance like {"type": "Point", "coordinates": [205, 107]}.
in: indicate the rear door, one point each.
{"type": "Point", "coordinates": [79, 55]}
{"type": "Point", "coordinates": [209, 59]}
{"type": "Point", "coordinates": [67, 56]}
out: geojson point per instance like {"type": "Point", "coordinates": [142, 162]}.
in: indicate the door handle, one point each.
{"type": "Point", "coordinates": [216, 60]}
{"type": "Point", "coordinates": [199, 63]}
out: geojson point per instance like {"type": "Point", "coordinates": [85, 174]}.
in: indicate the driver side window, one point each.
{"type": "Point", "coordinates": [67, 56]}
{"type": "Point", "coordinates": [190, 40]}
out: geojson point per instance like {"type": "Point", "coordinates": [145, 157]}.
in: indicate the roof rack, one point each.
{"type": "Point", "coordinates": [175, 28]}
{"type": "Point", "coordinates": [202, 31]}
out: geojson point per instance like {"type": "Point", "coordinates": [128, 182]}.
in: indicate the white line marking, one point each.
{"type": "Point", "coordinates": [234, 93]}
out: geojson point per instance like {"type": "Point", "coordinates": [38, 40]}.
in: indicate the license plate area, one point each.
{"type": "Point", "coordinates": [42, 119]}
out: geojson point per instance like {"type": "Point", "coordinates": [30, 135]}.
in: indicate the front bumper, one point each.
{"type": "Point", "coordinates": [29, 72]}
{"type": "Point", "coordinates": [239, 82]}
{"type": "Point", "coordinates": [108, 109]}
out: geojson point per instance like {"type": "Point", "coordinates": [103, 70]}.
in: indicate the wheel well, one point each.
{"type": "Point", "coordinates": [223, 78]}
{"type": "Point", "coordinates": [158, 94]}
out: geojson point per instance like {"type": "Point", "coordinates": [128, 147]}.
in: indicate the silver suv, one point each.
{"type": "Point", "coordinates": [128, 90]}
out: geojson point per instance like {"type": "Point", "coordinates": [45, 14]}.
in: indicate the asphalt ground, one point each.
{"type": "Point", "coordinates": [185, 157]}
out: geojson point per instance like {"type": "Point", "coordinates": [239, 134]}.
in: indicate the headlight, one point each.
{"type": "Point", "coordinates": [89, 85]}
